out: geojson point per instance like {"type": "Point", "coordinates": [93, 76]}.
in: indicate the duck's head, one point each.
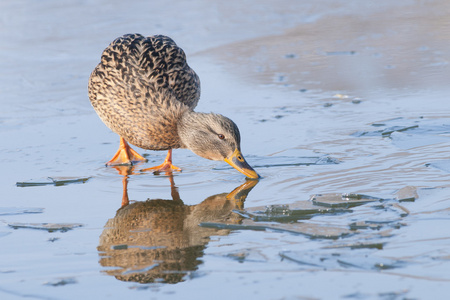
{"type": "Point", "coordinates": [214, 137]}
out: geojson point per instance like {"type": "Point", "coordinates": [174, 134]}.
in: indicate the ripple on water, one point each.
{"type": "Point", "coordinates": [7, 211]}
{"type": "Point", "coordinates": [393, 160]}
{"type": "Point", "coordinates": [359, 260]}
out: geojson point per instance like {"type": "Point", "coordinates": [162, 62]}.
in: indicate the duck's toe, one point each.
{"type": "Point", "coordinates": [125, 155]}
{"type": "Point", "coordinates": [166, 166]}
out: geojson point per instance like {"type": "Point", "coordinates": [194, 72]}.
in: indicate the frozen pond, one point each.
{"type": "Point", "coordinates": [343, 109]}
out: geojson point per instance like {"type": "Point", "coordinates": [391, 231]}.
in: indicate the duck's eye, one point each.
{"type": "Point", "coordinates": [221, 136]}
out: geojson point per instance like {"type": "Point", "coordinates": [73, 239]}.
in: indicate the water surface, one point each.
{"type": "Point", "coordinates": [343, 110]}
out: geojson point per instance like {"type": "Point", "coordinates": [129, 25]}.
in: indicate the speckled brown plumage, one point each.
{"type": "Point", "coordinates": [141, 88]}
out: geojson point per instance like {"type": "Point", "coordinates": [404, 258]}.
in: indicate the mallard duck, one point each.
{"type": "Point", "coordinates": [144, 90]}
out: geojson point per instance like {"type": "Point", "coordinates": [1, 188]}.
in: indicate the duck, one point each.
{"type": "Point", "coordinates": [144, 90]}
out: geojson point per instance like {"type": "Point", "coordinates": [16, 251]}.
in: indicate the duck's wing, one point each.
{"type": "Point", "coordinates": [155, 62]}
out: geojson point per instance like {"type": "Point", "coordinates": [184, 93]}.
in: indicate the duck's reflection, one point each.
{"type": "Point", "coordinates": [159, 240]}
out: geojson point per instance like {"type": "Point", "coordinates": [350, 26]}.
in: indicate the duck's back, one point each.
{"type": "Point", "coordinates": [140, 88]}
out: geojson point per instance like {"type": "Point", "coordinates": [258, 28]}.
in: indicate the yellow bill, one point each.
{"type": "Point", "coordinates": [237, 161]}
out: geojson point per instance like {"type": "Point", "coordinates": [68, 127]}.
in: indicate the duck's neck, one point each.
{"type": "Point", "coordinates": [187, 127]}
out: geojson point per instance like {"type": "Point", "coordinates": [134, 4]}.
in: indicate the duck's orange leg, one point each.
{"type": "Point", "coordinates": [165, 166]}
{"type": "Point", "coordinates": [125, 155]}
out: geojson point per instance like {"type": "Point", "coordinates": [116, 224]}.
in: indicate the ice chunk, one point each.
{"type": "Point", "coordinates": [56, 181]}
{"type": "Point", "coordinates": [46, 226]}
{"type": "Point", "coordinates": [310, 230]}
{"type": "Point", "coordinates": [342, 200]}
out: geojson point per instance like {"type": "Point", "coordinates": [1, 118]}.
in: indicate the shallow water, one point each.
{"type": "Point", "coordinates": [343, 110]}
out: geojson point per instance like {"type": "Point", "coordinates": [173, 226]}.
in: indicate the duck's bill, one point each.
{"type": "Point", "coordinates": [237, 161]}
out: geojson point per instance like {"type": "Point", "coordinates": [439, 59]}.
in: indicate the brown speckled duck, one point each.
{"type": "Point", "coordinates": [144, 90]}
